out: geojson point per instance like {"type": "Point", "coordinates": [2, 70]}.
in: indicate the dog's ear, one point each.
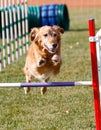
{"type": "Point", "coordinates": [58, 28]}
{"type": "Point", "coordinates": [33, 33]}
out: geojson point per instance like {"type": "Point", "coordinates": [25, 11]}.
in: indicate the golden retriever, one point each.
{"type": "Point", "coordinates": [44, 57]}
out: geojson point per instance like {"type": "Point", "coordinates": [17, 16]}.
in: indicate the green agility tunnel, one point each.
{"type": "Point", "coordinates": [52, 14]}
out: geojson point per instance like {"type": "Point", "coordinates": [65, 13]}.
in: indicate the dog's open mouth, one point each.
{"type": "Point", "coordinates": [51, 50]}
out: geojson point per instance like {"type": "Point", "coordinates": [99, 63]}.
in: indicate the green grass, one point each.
{"type": "Point", "coordinates": [62, 108]}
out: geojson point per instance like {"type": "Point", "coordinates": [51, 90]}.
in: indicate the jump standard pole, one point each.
{"type": "Point", "coordinates": [95, 81]}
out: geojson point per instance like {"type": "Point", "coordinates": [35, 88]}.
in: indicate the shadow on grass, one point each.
{"type": "Point", "coordinates": [81, 29]}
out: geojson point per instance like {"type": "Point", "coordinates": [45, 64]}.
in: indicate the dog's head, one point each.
{"type": "Point", "coordinates": [47, 37]}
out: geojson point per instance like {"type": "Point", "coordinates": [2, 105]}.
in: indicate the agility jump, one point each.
{"type": "Point", "coordinates": [9, 53]}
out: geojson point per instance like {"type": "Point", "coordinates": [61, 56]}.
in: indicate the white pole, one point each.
{"type": "Point", "coordinates": [10, 85]}
{"type": "Point", "coordinates": [26, 23]}
{"type": "Point", "coordinates": [11, 31]}
{"type": "Point", "coordinates": [23, 27]}
{"type": "Point", "coordinates": [19, 28]}
{"type": "Point", "coordinates": [3, 35]}
{"type": "Point", "coordinates": [15, 29]}
{"type": "Point", "coordinates": [7, 32]}
{"type": "Point", "coordinates": [98, 50]}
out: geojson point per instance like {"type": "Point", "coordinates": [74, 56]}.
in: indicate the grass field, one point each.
{"type": "Point", "coordinates": [65, 108]}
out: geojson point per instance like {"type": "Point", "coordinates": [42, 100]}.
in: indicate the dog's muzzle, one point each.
{"type": "Point", "coordinates": [51, 49]}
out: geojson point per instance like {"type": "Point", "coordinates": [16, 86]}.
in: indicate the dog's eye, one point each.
{"type": "Point", "coordinates": [54, 34]}
{"type": "Point", "coordinates": [45, 35]}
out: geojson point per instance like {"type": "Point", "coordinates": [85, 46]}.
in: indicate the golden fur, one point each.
{"type": "Point", "coordinates": [44, 58]}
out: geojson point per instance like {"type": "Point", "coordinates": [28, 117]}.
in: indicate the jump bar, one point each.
{"type": "Point", "coordinates": [48, 84]}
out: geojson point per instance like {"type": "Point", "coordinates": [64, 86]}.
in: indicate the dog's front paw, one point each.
{"type": "Point", "coordinates": [41, 62]}
{"type": "Point", "coordinates": [56, 59]}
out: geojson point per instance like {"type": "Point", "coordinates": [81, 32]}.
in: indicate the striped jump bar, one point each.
{"type": "Point", "coordinates": [48, 84]}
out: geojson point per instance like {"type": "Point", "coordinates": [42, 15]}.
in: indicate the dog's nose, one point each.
{"type": "Point", "coordinates": [55, 45]}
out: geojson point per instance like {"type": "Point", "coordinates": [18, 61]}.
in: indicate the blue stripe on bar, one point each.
{"type": "Point", "coordinates": [49, 84]}
{"type": "Point", "coordinates": [6, 8]}
{"type": "Point", "coordinates": [15, 22]}
{"type": "Point", "coordinates": [9, 55]}
{"type": "Point", "coordinates": [23, 19]}
{"type": "Point", "coordinates": [14, 6]}
{"type": "Point", "coordinates": [7, 26]}
{"type": "Point", "coordinates": [24, 35]}
{"type": "Point", "coordinates": [8, 44]}
{"type": "Point", "coordinates": [17, 49]}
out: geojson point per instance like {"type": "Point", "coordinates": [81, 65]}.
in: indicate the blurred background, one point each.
{"type": "Point", "coordinates": [79, 10]}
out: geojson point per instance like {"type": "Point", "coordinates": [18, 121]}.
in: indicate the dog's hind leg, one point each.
{"type": "Point", "coordinates": [28, 79]}
{"type": "Point", "coordinates": [44, 89]}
